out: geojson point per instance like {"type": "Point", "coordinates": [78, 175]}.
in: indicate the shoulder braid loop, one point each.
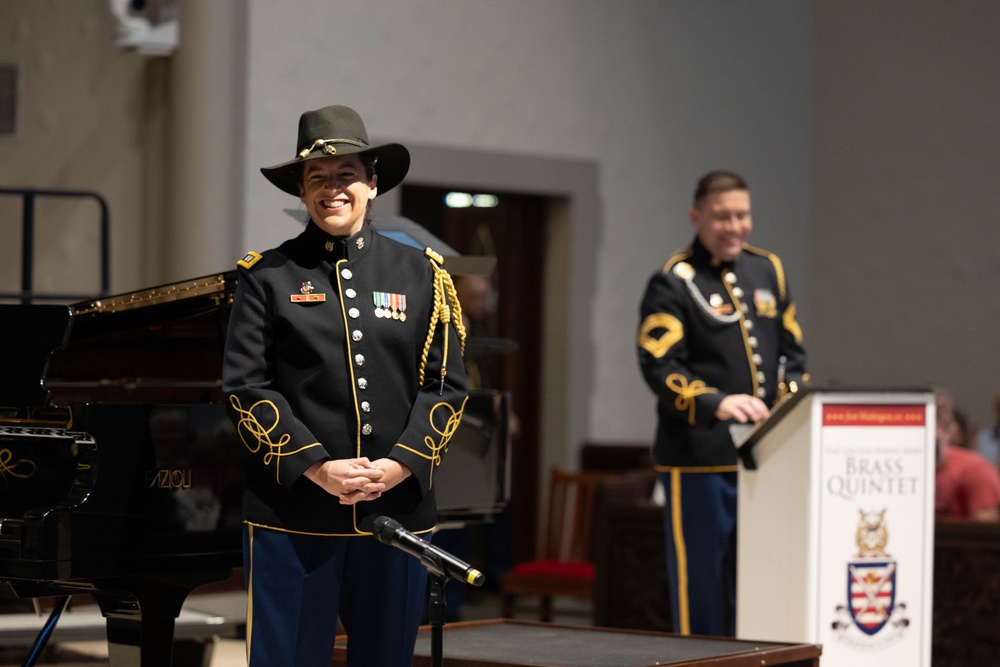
{"type": "Point", "coordinates": [447, 310]}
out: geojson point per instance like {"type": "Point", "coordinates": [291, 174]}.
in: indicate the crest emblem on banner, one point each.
{"type": "Point", "coordinates": [871, 589]}
{"type": "Point", "coordinates": [871, 583]}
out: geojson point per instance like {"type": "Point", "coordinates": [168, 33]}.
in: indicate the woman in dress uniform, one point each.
{"type": "Point", "coordinates": [344, 377]}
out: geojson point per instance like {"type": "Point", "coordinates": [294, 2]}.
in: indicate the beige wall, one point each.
{"type": "Point", "coordinates": [85, 113]}
{"type": "Point", "coordinates": [867, 130]}
{"type": "Point", "coordinates": [905, 274]}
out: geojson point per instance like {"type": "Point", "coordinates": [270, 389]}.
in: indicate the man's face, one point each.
{"type": "Point", "coordinates": [474, 295]}
{"type": "Point", "coordinates": [336, 193]}
{"type": "Point", "coordinates": [722, 223]}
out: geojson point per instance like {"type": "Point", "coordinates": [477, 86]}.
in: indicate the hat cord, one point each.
{"type": "Point", "coordinates": [327, 148]}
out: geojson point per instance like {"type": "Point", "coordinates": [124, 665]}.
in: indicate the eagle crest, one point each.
{"type": "Point", "coordinates": [872, 534]}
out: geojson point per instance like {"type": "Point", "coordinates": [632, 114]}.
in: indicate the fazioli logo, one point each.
{"type": "Point", "coordinates": [167, 478]}
{"type": "Point", "coordinates": [872, 616]}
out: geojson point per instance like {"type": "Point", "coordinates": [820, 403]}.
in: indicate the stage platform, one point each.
{"type": "Point", "coordinates": [507, 643]}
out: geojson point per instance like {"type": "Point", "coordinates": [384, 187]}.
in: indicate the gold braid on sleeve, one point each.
{"type": "Point", "coordinates": [686, 393]}
{"type": "Point", "coordinates": [447, 310]}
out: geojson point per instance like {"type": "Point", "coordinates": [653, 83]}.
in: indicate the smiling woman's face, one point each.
{"type": "Point", "coordinates": [336, 192]}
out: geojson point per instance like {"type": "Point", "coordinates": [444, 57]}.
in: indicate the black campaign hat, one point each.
{"type": "Point", "coordinates": [338, 130]}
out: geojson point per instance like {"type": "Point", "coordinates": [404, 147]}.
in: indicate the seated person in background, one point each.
{"type": "Point", "coordinates": [966, 484]}
{"type": "Point", "coordinates": [989, 436]}
{"type": "Point", "coordinates": [961, 430]}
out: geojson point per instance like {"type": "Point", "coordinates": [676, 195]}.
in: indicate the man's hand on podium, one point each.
{"type": "Point", "coordinates": [743, 408]}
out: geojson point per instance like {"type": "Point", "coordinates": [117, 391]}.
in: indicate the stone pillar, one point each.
{"type": "Point", "coordinates": [205, 145]}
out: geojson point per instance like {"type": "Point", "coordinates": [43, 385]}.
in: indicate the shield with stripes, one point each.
{"type": "Point", "coordinates": [871, 589]}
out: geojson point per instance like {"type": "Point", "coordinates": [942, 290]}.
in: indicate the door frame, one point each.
{"type": "Point", "coordinates": [570, 283]}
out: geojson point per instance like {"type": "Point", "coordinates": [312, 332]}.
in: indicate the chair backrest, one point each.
{"type": "Point", "coordinates": [570, 518]}
{"type": "Point", "coordinates": [616, 456]}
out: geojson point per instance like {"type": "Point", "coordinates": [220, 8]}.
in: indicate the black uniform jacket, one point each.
{"type": "Point", "coordinates": [331, 354]}
{"type": "Point", "coordinates": [709, 329]}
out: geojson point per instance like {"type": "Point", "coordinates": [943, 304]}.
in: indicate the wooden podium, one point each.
{"type": "Point", "coordinates": [836, 526]}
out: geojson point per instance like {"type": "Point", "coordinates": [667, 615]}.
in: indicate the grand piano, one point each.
{"type": "Point", "coordinates": [120, 472]}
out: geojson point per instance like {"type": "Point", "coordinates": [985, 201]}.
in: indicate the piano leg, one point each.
{"type": "Point", "coordinates": [140, 641]}
{"type": "Point", "coordinates": [141, 612]}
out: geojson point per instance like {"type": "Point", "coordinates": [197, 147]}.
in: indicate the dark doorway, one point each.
{"type": "Point", "coordinates": [513, 231]}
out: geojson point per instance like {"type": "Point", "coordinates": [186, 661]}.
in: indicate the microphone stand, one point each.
{"type": "Point", "coordinates": [436, 613]}
{"type": "Point", "coordinates": [440, 566]}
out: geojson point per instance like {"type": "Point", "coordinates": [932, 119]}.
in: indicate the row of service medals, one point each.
{"type": "Point", "coordinates": [390, 306]}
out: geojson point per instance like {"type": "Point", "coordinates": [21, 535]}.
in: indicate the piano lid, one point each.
{"type": "Point", "coordinates": [160, 344]}
{"type": "Point", "coordinates": [205, 292]}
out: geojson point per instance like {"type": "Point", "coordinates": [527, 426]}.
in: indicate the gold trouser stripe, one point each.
{"type": "Point", "coordinates": [680, 548]}
{"type": "Point", "coordinates": [250, 594]}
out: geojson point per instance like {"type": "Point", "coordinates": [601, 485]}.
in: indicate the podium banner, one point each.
{"type": "Point", "coordinates": [836, 526]}
{"type": "Point", "coordinates": [872, 572]}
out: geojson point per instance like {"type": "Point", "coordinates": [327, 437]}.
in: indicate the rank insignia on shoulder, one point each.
{"type": "Point", "coordinates": [684, 271]}
{"type": "Point", "coordinates": [437, 257]}
{"type": "Point", "coordinates": [249, 260]}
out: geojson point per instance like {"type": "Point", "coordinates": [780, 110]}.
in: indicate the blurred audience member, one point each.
{"type": "Point", "coordinates": [989, 436]}
{"type": "Point", "coordinates": [966, 484]}
{"type": "Point", "coordinates": [961, 433]}
{"type": "Point", "coordinates": [478, 302]}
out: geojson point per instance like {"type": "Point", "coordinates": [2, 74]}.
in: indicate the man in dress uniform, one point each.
{"type": "Point", "coordinates": [717, 336]}
{"type": "Point", "coordinates": [344, 376]}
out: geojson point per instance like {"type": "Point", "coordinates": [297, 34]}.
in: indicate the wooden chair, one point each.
{"type": "Point", "coordinates": [565, 562]}
{"type": "Point", "coordinates": [616, 456]}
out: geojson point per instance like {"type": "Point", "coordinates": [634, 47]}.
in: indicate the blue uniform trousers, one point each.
{"type": "Point", "coordinates": [297, 585]}
{"type": "Point", "coordinates": [700, 520]}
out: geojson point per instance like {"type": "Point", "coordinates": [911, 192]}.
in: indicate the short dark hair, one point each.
{"type": "Point", "coordinates": [717, 181]}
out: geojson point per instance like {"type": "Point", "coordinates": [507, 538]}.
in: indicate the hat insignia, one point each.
{"type": "Point", "coordinates": [327, 146]}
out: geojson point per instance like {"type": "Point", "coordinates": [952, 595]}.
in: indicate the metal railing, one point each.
{"type": "Point", "coordinates": [28, 197]}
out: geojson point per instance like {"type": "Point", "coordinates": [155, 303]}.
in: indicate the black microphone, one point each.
{"type": "Point", "coordinates": [440, 562]}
